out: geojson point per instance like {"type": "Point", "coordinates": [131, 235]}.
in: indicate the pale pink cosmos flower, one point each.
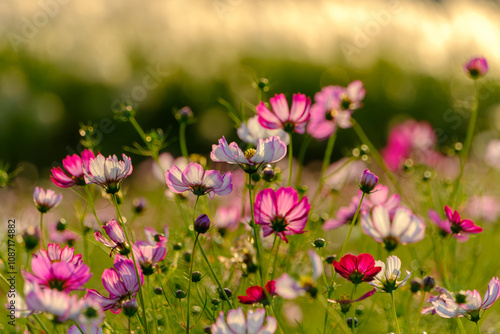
{"type": "Point", "coordinates": [45, 200]}
{"type": "Point", "coordinates": [193, 178]}
{"type": "Point", "coordinates": [58, 269]}
{"type": "Point", "coordinates": [121, 283]}
{"type": "Point", "coordinates": [61, 237]}
{"type": "Point", "coordinates": [294, 119]}
{"type": "Point", "coordinates": [148, 256]}
{"type": "Point", "coordinates": [492, 154]}
{"type": "Point", "coordinates": [117, 240]}
{"type": "Point", "coordinates": [227, 218]}
{"type": "Point", "coordinates": [403, 228]}
{"type": "Point", "coordinates": [454, 224]}
{"type": "Point", "coordinates": [251, 131]}
{"type": "Point", "coordinates": [485, 208]}
{"type": "Point", "coordinates": [464, 303]}
{"type": "Point", "coordinates": [476, 67]}
{"type": "Point", "coordinates": [167, 161]}
{"type": "Point", "coordinates": [74, 170]}
{"type": "Point", "coordinates": [236, 323]}
{"type": "Point", "coordinates": [281, 212]}
{"type": "Point", "coordinates": [108, 173]}
{"type": "Point", "coordinates": [154, 237]}
{"type": "Point", "coordinates": [387, 279]}
{"type": "Point", "coordinates": [269, 150]}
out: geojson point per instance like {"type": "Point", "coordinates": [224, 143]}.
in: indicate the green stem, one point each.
{"type": "Point", "coordinates": [255, 229]}
{"type": "Point", "coordinates": [182, 139]}
{"type": "Point", "coordinates": [275, 256]}
{"type": "Point", "coordinates": [79, 328]}
{"type": "Point", "coordinates": [290, 160]}
{"type": "Point", "coordinates": [41, 324]}
{"type": "Point", "coordinates": [91, 202]}
{"type": "Point", "coordinates": [141, 297]}
{"type": "Point", "coordinates": [352, 226]}
{"type": "Point", "coordinates": [353, 323]}
{"type": "Point", "coordinates": [278, 319]}
{"type": "Point", "coordinates": [152, 306]}
{"type": "Point", "coordinates": [302, 155]}
{"type": "Point", "coordinates": [327, 158]}
{"type": "Point", "coordinates": [398, 331]}
{"type": "Point", "coordinates": [42, 230]}
{"type": "Point", "coordinates": [190, 279]}
{"type": "Point", "coordinates": [420, 307]}
{"type": "Point", "coordinates": [141, 132]}
{"type": "Point", "coordinates": [478, 328]}
{"type": "Point", "coordinates": [445, 263]}
{"type": "Point", "coordinates": [461, 326]}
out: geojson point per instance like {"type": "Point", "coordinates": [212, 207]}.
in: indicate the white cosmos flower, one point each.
{"type": "Point", "coordinates": [387, 279]}
{"type": "Point", "coordinates": [235, 323]}
{"type": "Point", "coordinates": [108, 173]}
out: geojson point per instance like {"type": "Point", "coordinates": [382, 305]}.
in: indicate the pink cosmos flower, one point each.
{"type": "Point", "coordinates": [281, 212]}
{"type": "Point", "coordinates": [268, 151]}
{"type": "Point", "coordinates": [198, 181]}
{"type": "Point", "coordinates": [476, 67]}
{"type": "Point", "coordinates": [357, 269]}
{"type": "Point", "coordinates": [251, 131]}
{"type": "Point", "coordinates": [121, 283]}
{"type": "Point", "coordinates": [368, 181]}
{"type": "Point", "coordinates": [464, 303]}
{"type": "Point", "coordinates": [58, 269]}
{"type": "Point", "coordinates": [454, 225]}
{"type": "Point", "coordinates": [227, 218]}
{"type": "Point", "coordinates": [108, 173]}
{"type": "Point", "coordinates": [61, 237]}
{"type": "Point", "coordinates": [403, 228]}
{"type": "Point", "coordinates": [484, 208]}
{"type": "Point", "coordinates": [235, 322]}
{"type": "Point", "coordinates": [45, 200]}
{"type": "Point", "coordinates": [74, 170]}
{"type": "Point", "coordinates": [492, 154]}
{"type": "Point", "coordinates": [148, 256]}
{"type": "Point", "coordinates": [167, 161]}
{"type": "Point", "coordinates": [281, 116]}
{"type": "Point", "coordinates": [154, 237]}
{"type": "Point", "coordinates": [117, 240]}
{"type": "Point", "coordinates": [256, 294]}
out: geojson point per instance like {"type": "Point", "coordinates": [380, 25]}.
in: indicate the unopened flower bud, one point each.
{"type": "Point", "coordinates": [416, 285]}
{"type": "Point", "coordinates": [139, 205]}
{"type": "Point", "coordinates": [158, 291]}
{"type": "Point", "coordinates": [228, 292]}
{"type": "Point", "coordinates": [476, 67]}
{"type": "Point", "coordinates": [255, 177]}
{"type": "Point", "coordinates": [187, 256]}
{"type": "Point", "coordinates": [428, 283]}
{"type": "Point", "coordinates": [202, 224]}
{"type": "Point", "coordinates": [350, 324]}
{"type": "Point", "coordinates": [31, 237]}
{"type": "Point", "coordinates": [61, 225]}
{"type": "Point", "coordinates": [319, 243]}
{"type": "Point", "coordinates": [368, 181]}
{"type": "Point", "coordinates": [180, 294]}
{"type": "Point", "coordinates": [178, 246]}
{"type": "Point", "coordinates": [196, 276]}
{"type": "Point", "coordinates": [330, 259]}
{"type": "Point", "coordinates": [268, 174]}
{"type": "Point", "coordinates": [207, 330]}
{"type": "Point", "coordinates": [130, 307]}
{"type": "Point", "coordinates": [215, 301]}
{"type": "Point", "coordinates": [184, 115]}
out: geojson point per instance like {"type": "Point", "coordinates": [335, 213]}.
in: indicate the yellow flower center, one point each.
{"type": "Point", "coordinates": [250, 153]}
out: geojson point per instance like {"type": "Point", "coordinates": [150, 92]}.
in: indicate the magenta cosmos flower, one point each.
{"type": "Point", "coordinates": [257, 294]}
{"type": "Point", "coordinates": [148, 256]}
{"type": "Point", "coordinates": [402, 228]}
{"type": "Point", "coordinates": [198, 181]}
{"type": "Point", "coordinates": [268, 151]}
{"type": "Point", "coordinates": [74, 170]}
{"type": "Point", "coordinates": [117, 240]}
{"type": "Point", "coordinates": [235, 322]}
{"type": "Point", "coordinates": [58, 269]}
{"type": "Point", "coordinates": [357, 269]}
{"type": "Point", "coordinates": [108, 173]}
{"type": "Point", "coordinates": [281, 212]}
{"type": "Point", "coordinates": [368, 181]}
{"type": "Point", "coordinates": [45, 200]}
{"type": "Point", "coordinates": [476, 67]}
{"type": "Point", "coordinates": [294, 119]}
{"type": "Point", "coordinates": [121, 283]}
{"type": "Point", "coordinates": [454, 224]}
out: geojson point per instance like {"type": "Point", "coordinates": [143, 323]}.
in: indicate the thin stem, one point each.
{"type": "Point", "coordinates": [215, 276]}
{"type": "Point", "coordinates": [352, 226]}
{"type": "Point", "coordinates": [353, 323]}
{"type": "Point", "coordinates": [398, 331]}
{"type": "Point", "coordinates": [42, 230]}
{"type": "Point", "coordinates": [255, 229]}
{"type": "Point", "coordinates": [478, 328]}
{"type": "Point", "coordinates": [302, 155]}
{"type": "Point", "coordinates": [91, 202]}
{"type": "Point", "coordinates": [419, 312]}
{"type": "Point", "coordinates": [41, 324]}
{"type": "Point", "coordinates": [445, 263]}
{"type": "Point", "coordinates": [141, 132]}
{"type": "Point", "coordinates": [79, 328]}
{"type": "Point", "coordinates": [275, 256]}
{"type": "Point", "coordinates": [128, 325]}
{"type": "Point", "coordinates": [152, 306]}
{"type": "Point", "coordinates": [182, 139]}
{"type": "Point", "coordinates": [278, 319]}
{"type": "Point", "coordinates": [328, 154]}
{"type": "Point", "coordinates": [461, 326]}
{"type": "Point", "coordinates": [190, 279]}
{"type": "Point", "coordinates": [120, 219]}
{"type": "Point", "coordinates": [290, 160]}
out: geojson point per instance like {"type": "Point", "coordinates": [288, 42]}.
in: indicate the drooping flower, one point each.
{"type": "Point", "coordinates": [281, 212]}
{"type": "Point", "coordinates": [257, 294]}
{"type": "Point", "coordinates": [345, 302]}
{"type": "Point", "coordinates": [235, 322]}
{"type": "Point", "coordinates": [269, 150]}
{"type": "Point", "coordinates": [454, 224]}
{"type": "Point", "coordinates": [121, 283]}
{"type": "Point", "coordinates": [357, 269]}
{"type": "Point", "coordinates": [476, 67]}
{"type": "Point", "coordinates": [74, 170]}
{"type": "Point", "coordinates": [58, 269]}
{"type": "Point", "coordinates": [294, 119]}
{"type": "Point", "coordinates": [45, 200]}
{"type": "Point", "coordinates": [251, 131]}
{"type": "Point", "coordinates": [117, 240]}
{"type": "Point", "coordinates": [148, 256]}
{"type": "Point", "coordinates": [387, 279]}
{"type": "Point", "coordinates": [198, 181]}
{"type": "Point", "coordinates": [403, 228]}
{"type": "Point", "coordinates": [108, 173]}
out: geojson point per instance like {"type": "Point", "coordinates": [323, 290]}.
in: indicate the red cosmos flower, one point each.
{"type": "Point", "coordinates": [257, 294]}
{"type": "Point", "coordinates": [357, 269]}
{"type": "Point", "coordinates": [458, 225]}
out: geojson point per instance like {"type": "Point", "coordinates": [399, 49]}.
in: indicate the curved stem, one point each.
{"type": "Point", "coordinates": [290, 160]}
{"type": "Point", "coordinates": [182, 139]}
{"type": "Point", "coordinates": [41, 324]}
{"type": "Point", "coordinates": [255, 229]}
{"type": "Point", "coordinates": [190, 279]}
{"type": "Point", "coordinates": [302, 155]}
{"type": "Point", "coordinates": [352, 226]}
{"type": "Point", "coordinates": [420, 307]}
{"type": "Point", "coordinates": [328, 154]}
{"type": "Point", "coordinates": [398, 331]}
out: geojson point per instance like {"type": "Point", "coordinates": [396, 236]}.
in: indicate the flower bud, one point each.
{"type": "Point", "coordinates": [319, 243]}
{"type": "Point", "coordinates": [178, 246]}
{"type": "Point", "coordinates": [268, 174]}
{"type": "Point", "coordinates": [158, 291]}
{"type": "Point", "coordinates": [428, 283]}
{"type": "Point", "coordinates": [196, 276]}
{"type": "Point", "coordinates": [368, 181]}
{"type": "Point", "coordinates": [180, 294]}
{"type": "Point", "coordinates": [139, 205]}
{"type": "Point", "coordinates": [416, 285]}
{"type": "Point", "coordinates": [255, 177]}
{"type": "Point", "coordinates": [61, 225]}
{"type": "Point", "coordinates": [202, 224]}
{"type": "Point", "coordinates": [31, 237]}
{"type": "Point", "coordinates": [215, 301]}
{"type": "Point", "coordinates": [330, 259]}
{"type": "Point", "coordinates": [187, 256]}
{"type": "Point", "coordinates": [228, 292]}
{"type": "Point", "coordinates": [476, 68]}
{"type": "Point", "coordinates": [130, 307]}
{"type": "Point", "coordinates": [350, 324]}
{"type": "Point", "coordinates": [184, 115]}
{"type": "Point", "coordinates": [207, 330]}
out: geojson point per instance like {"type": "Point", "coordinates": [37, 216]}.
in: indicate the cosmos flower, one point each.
{"type": "Point", "coordinates": [281, 212]}
{"type": "Point", "coordinates": [256, 294]}
{"type": "Point", "coordinates": [154, 237]}
{"type": "Point", "coordinates": [117, 240]}
{"type": "Point", "coordinates": [294, 119]}
{"type": "Point", "coordinates": [121, 283]}
{"type": "Point", "coordinates": [269, 150]}
{"type": "Point", "coordinates": [387, 279]}
{"type": "Point", "coordinates": [476, 67]}
{"type": "Point", "coordinates": [235, 322]}
{"type": "Point", "coordinates": [148, 256]}
{"type": "Point", "coordinates": [167, 161]}
{"type": "Point", "coordinates": [454, 224]}
{"type": "Point", "coordinates": [108, 173]}
{"type": "Point", "coordinates": [45, 200]}
{"type": "Point", "coordinates": [58, 269]}
{"type": "Point", "coordinates": [198, 181]}
{"type": "Point", "coordinates": [74, 170]}
{"type": "Point", "coordinates": [368, 181]}
{"type": "Point", "coordinates": [403, 228]}
{"type": "Point", "coordinates": [357, 269]}
{"type": "Point", "coordinates": [345, 302]}
{"type": "Point", "coordinates": [251, 131]}
{"type": "Point", "coordinates": [227, 218]}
